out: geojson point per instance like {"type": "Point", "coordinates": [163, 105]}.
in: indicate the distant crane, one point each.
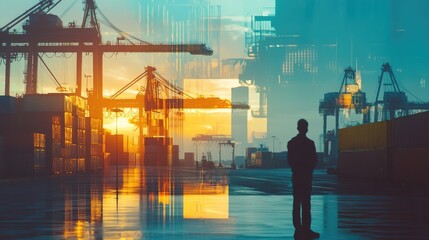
{"type": "Point", "coordinates": [349, 96]}
{"type": "Point", "coordinates": [157, 97]}
{"type": "Point", "coordinates": [394, 98]}
{"type": "Point", "coordinates": [231, 144]}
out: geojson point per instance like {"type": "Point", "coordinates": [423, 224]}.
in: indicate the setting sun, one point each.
{"type": "Point", "coordinates": [124, 126]}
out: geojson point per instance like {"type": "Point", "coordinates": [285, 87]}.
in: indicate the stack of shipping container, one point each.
{"type": "Point", "coordinates": [52, 127]}
{"type": "Point", "coordinates": [158, 151]}
{"type": "Point", "coordinates": [396, 150]}
{"type": "Point", "coordinates": [94, 147]}
{"type": "Point", "coordinates": [262, 158]}
{"type": "Point", "coordinates": [79, 129]}
{"type": "Point", "coordinates": [54, 117]}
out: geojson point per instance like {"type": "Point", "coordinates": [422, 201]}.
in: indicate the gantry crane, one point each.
{"type": "Point", "coordinates": [394, 98]}
{"type": "Point", "coordinates": [232, 145]}
{"type": "Point", "coordinates": [45, 33]}
{"type": "Point", "coordinates": [157, 97]}
{"type": "Point", "coordinates": [154, 104]}
{"type": "Point", "coordinates": [349, 96]}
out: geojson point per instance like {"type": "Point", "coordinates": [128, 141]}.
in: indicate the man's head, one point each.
{"type": "Point", "coordinates": [302, 126]}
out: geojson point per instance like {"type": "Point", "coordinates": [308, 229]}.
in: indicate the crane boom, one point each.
{"type": "Point", "coordinates": [194, 49]}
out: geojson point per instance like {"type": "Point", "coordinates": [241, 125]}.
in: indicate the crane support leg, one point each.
{"type": "Point", "coordinates": [7, 75]}
{"type": "Point", "coordinates": [79, 73]}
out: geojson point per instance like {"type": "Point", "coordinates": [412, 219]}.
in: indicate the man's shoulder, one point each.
{"type": "Point", "coordinates": [292, 140]}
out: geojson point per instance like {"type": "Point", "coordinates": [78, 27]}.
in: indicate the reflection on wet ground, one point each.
{"type": "Point", "coordinates": [163, 203]}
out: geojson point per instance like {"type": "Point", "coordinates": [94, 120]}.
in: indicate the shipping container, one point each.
{"type": "Point", "coordinates": [47, 103]}
{"type": "Point", "coordinates": [68, 119]}
{"type": "Point", "coordinates": [411, 131]}
{"type": "Point", "coordinates": [175, 155]}
{"type": "Point", "coordinates": [8, 105]}
{"type": "Point", "coordinates": [189, 160]}
{"type": "Point", "coordinates": [157, 151]}
{"type": "Point", "coordinates": [79, 106]}
{"type": "Point", "coordinates": [70, 165]}
{"type": "Point", "coordinates": [81, 164]}
{"type": "Point", "coordinates": [249, 152]}
{"type": "Point", "coordinates": [24, 154]}
{"type": "Point", "coordinates": [364, 137]}
{"type": "Point", "coordinates": [368, 164]}
{"type": "Point", "coordinates": [57, 165]}
{"type": "Point", "coordinates": [79, 122]}
{"type": "Point", "coordinates": [93, 124]}
{"type": "Point", "coordinates": [96, 163]}
{"type": "Point", "coordinates": [394, 150]}
{"type": "Point", "coordinates": [79, 136]}
{"type": "Point", "coordinates": [2, 157]}
{"type": "Point", "coordinates": [411, 165]}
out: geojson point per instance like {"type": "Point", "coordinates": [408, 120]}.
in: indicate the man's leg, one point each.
{"type": "Point", "coordinates": [306, 212]}
{"type": "Point", "coordinates": [296, 212]}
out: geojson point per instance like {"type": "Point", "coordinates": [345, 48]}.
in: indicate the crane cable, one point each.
{"type": "Point", "coordinates": [403, 88]}
{"type": "Point", "coordinates": [68, 9]}
{"type": "Point", "coordinates": [59, 86]}
{"type": "Point", "coordinates": [122, 33]}
{"type": "Point", "coordinates": [174, 88]}
{"type": "Point", "coordinates": [128, 85]}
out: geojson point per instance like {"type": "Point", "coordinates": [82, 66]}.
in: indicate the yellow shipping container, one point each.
{"type": "Point", "coordinates": [364, 137]}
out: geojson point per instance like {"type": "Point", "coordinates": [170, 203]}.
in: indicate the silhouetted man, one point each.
{"type": "Point", "coordinates": [302, 159]}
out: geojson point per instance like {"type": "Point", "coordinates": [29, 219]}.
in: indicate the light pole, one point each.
{"type": "Point", "coordinates": [116, 111]}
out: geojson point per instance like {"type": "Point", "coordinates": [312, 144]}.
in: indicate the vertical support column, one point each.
{"type": "Point", "coordinates": [98, 83]}
{"type": "Point", "coordinates": [335, 144]}
{"type": "Point", "coordinates": [391, 114]}
{"type": "Point", "coordinates": [366, 115]}
{"type": "Point", "coordinates": [28, 77]}
{"type": "Point", "coordinates": [7, 72]}
{"type": "Point", "coordinates": [35, 71]}
{"type": "Point", "coordinates": [384, 117]}
{"type": "Point", "coordinates": [376, 112]}
{"type": "Point", "coordinates": [233, 156]}
{"type": "Point", "coordinates": [325, 140]}
{"type": "Point", "coordinates": [32, 64]}
{"type": "Point", "coordinates": [79, 73]}
{"type": "Point", "coordinates": [220, 154]}
{"type": "Point", "coordinates": [141, 142]}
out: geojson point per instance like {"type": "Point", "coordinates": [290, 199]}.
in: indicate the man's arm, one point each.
{"type": "Point", "coordinates": [290, 155]}
{"type": "Point", "coordinates": [313, 155]}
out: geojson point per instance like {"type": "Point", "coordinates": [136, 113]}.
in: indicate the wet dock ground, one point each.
{"type": "Point", "coordinates": [162, 203]}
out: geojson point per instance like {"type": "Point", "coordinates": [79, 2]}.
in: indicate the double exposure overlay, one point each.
{"type": "Point", "coordinates": [214, 119]}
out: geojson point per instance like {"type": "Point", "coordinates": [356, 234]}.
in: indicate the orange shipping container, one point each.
{"type": "Point", "coordinates": [364, 137]}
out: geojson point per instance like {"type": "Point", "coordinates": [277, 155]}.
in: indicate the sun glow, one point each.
{"type": "Point", "coordinates": [124, 126]}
